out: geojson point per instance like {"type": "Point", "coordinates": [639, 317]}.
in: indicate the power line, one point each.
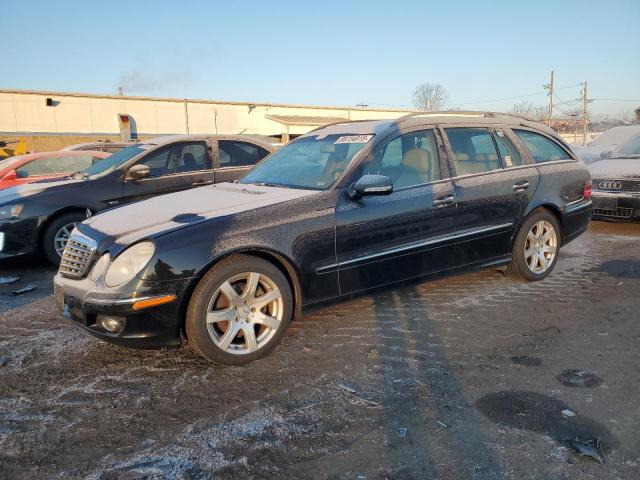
{"type": "Point", "coordinates": [615, 99]}
{"type": "Point", "coordinates": [541, 92]}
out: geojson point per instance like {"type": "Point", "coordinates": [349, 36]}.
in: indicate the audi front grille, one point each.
{"type": "Point", "coordinates": [617, 185]}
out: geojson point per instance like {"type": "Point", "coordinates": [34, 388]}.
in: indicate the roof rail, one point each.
{"type": "Point", "coordinates": [346, 120]}
{"type": "Point", "coordinates": [464, 113]}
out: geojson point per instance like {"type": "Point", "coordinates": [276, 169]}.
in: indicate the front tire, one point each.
{"type": "Point", "coordinates": [57, 234]}
{"type": "Point", "coordinates": [536, 248]}
{"type": "Point", "coordinates": [239, 311]}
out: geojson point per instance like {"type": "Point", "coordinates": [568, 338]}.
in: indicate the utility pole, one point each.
{"type": "Point", "coordinates": [585, 113]}
{"type": "Point", "coordinates": [549, 86]}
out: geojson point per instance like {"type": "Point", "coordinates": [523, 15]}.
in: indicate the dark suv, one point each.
{"type": "Point", "coordinates": [343, 209]}
{"type": "Point", "coordinates": [43, 214]}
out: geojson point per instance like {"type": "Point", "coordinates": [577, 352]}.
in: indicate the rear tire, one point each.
{"type": "Point", "coordinates": [57, 234]}
{"type": "Point", "coordinates": [536, 247]}
{"type": "Point", "coordinates": [239, 311]}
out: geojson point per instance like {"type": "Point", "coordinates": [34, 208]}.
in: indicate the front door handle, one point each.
{"type": "Point", "coordinates": [202, 183]}
{"type": "Point", "coordinates": [518, 187]}
{"type": "Point", "coordinates": [444, 201]}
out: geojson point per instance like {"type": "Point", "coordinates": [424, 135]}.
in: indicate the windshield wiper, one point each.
{"type": "Point", "coordinates": [267, 184]}
{"type": "Point", "coordinates": [78, 174]}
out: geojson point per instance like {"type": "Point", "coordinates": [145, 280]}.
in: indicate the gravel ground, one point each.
{"type": "Point", "coordinates": [460, 378]}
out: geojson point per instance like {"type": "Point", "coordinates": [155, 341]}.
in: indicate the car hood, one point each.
{"type": "Point", "coordinates": [130, 223]}
{"type": "Point", "coordinates": [26, 190]}
{"type": "Point", "coordinates": [616, 168]}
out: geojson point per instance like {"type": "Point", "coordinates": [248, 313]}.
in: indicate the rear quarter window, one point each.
{"type": "Point", "coordinates": [542, 149]}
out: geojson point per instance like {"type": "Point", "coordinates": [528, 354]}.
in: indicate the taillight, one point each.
{"type": "Point", "coordinates": [586, 191]}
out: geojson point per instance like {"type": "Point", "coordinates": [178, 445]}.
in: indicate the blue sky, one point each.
{"type": "Point", "coordinates": [328, 52]}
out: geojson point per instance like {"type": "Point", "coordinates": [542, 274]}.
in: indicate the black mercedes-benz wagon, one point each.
{"type": "Point", "coordinates": [343, 209]}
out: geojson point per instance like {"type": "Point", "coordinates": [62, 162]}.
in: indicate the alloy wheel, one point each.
{"type": "Point", "coordinates": [244, 313]}
{"type": "Point", "coordinates": [62, 237]}
{"type": "Point", "coordinates": [540, 247]}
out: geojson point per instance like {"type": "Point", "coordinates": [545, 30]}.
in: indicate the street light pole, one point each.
{"type": "Point", "coordinates": [585, 114]}
{"type": "Point", "coordinates": [550, 94]}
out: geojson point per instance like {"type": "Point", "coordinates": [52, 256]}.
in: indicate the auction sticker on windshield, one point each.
{"type": "Point", "coordinates": [353, 139]}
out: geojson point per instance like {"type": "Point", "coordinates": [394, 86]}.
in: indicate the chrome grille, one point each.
{"type": "Point", "coordinates": [78, 256]}
{"type": "Point", "coordinates": [621, 185]}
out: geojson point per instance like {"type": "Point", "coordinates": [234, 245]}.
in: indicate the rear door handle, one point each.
{"type": "Point", "coordinates": [202, 183]}
{"type": "Point", "coordinates": [521, 186]}
{"type": "Point", "coordinates": [444, 201]}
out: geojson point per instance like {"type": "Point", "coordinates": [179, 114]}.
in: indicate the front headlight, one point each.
{"type": "Point", "coordinates": [129, 263]}
{"type": "Point", "coordinates": [9, 212]}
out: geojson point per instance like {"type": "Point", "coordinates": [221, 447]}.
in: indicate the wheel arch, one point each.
{"type": "Point", "coordinates": [284, 264]}
{"type": "Point", "coordinates": [55, 215]}
{"type": "Point", "coordinates": [551, 208]}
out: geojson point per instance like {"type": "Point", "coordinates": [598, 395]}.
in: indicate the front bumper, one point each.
{"type": "Point", "coordinates": [616, 206]}
{"type": "Point", "coordinates": [18, 237]}
{"type": "Point", "coordinates": [154, 327]}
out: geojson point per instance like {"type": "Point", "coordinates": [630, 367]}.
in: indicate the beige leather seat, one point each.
{"type": "Point", "coordinates": [416, 168]}
{"type": "Point", "coordinates": [482, 163]}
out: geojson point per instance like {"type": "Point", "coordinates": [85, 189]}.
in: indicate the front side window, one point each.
{"type": "Point", "coordinates": [53, 165]}
{"type": "Point", "coordinates": [311, 162]}
{"type": "Point", "coordinates": [176, 158]}
{"type": "Point", "coordinates": [541, 148]}
{"type": "Point", "coordinates": [473, 150]}
{"type": "Point", "coordinates": [239, 154]}
{"type": "Point", "coordinates": [408, 160]}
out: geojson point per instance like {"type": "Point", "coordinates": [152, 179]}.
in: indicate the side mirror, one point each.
{"type": "Point", "coordinates": [371, 185]}
{"type": "Point", "coordinates": [605, 154]}
{"type": "Point", "coordinates": [10, 175]}
{"type": "Point", "coordinates": [139, 172]}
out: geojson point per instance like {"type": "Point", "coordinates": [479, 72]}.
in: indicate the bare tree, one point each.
{"type": "Point", "coordinates": [528, 109]}
{"type": "Point", "coordinates": [430, 96]}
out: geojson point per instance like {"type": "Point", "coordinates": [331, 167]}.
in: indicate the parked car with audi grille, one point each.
{"type": "Point", "coordinates": [616, 184]}
{"type": "Point", "coordinates": [341, 210]}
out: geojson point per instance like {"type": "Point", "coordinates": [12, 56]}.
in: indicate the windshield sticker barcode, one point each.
{"type": "Point", "coordinates": [354, 139]}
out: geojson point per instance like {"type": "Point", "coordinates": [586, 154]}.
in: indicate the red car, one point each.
{"type": "Point", "coordinates": [39, 166]}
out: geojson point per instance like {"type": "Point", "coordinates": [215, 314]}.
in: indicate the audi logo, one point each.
{"type": "Point", "coordinates": [610, 185]}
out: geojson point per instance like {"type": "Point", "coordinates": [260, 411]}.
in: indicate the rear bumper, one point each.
{"type": "Point", "coordinates": [18, 237]}
{"type": "Point", "coordinates": [616, 206]}
{"type": "Point", "coordinates": [153, 327]}
{"type": "Point", "coordinates": [576, 219]}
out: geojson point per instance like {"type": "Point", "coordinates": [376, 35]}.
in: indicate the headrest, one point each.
{"type": "Point", "coordinates": [188, 159]}
{"type": "Point", "coordinates": [486, 157]}
{"type": "Point", "coordinates": [417, 159]}
{"type": "Point", "coordinates": [461, 157]}
{"type": "Point", "coordinates": [330, 148]}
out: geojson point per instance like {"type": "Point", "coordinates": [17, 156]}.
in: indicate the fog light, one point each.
{"type": "Point", "coordinates": [111, 324]}
{"type": "Point", "coordinates": [1, 241]}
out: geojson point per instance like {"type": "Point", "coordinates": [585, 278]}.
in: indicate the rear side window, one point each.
{"type": "Point", "coordinates": [541, 148]}
{"type": "Point", "coordinates": [239, 154]}
{"type": "Point", "coordinates": [473, 150]}
{"type": "Point", "coordinates": [50, 166]}
{"type": "Point", "coordinates": [509, 153]}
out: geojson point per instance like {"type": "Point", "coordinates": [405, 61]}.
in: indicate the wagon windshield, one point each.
{"type": "Point", "coordinates": [310, 162]}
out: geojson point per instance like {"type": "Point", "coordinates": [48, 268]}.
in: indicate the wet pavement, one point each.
{"type": "Point", "coordinates": [477, 376]}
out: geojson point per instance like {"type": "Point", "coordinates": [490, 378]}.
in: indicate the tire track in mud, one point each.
{"type": "Point", "coordinates": [123, 413]}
